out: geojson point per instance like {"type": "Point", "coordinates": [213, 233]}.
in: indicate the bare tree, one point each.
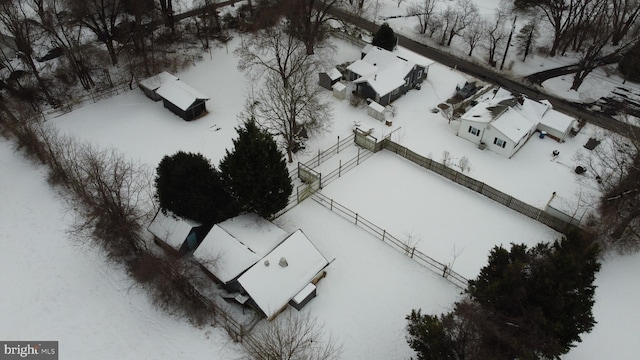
{"type": "Point", "coordinates": [15, 20]}
{"type": "Point", "coordinates": [624, 14]}
{"type": "Point", "coordinates": [526, 38]}
{"type": "Point", "coordinates": [291, 99]}
{"type": "Point", "coordinates": [55, 20]}
{"type": "Point", "coordinates": [495, 35]}
{"type": "Point", "coordinates": [474, 34]}
{"type": "Point", "coordinates": [466, 12]}
{"type": "Point", "coordinates": [422, 10]}
{"type": "Point", "coordinates": [592, 57]}
{"type": "Point", "coordinates": [101, 17]}
{"type": "Point", "coordinates": [291, 336]}
{"type": "Point", "coordinates": [561, 15]}
{"type": "Point", "coordinates": [308, 19]}
{"type": "Point", "coordinates": [615, 164]}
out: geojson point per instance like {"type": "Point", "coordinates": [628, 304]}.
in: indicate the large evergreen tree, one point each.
{"type": "Point", "coordinates": [527, 303]}
{"type": "Point", "coordinates": [189, 186]}
{"type": "Point", "coordinates": [255, 172]}
{"type": "Point", "coordinates": [385, 37]}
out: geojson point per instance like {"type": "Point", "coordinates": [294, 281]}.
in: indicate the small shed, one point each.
{"type": "Point", "coordinates": [328, 78]}
{"type": "Point", "coordinates": [376, 111]}
{"type": "Point", "coordinates": [339, 91]}
{"type": "Point", "coordinates": [182, 99]}
{"type": "Point", "coordinates": [303, 297]}
{"type": "Point", "coordinates": [151, 84]}
{"type": "Point", "coordinates": [176, 235]}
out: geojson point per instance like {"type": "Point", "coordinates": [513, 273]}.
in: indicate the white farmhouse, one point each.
{"type": "Point", "coordinates": [503, 123]}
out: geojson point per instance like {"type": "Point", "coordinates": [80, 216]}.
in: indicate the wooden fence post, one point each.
{"type": "Point", "coordinates": [358, 161]}
{"type": "Point", "coordinates": [340, 168]}
{"type": "Point", "coordinates": [331, 208]}
{"type": "Point", "coordinates": [338, 151]}
{"type": "Point", "coordinates": [356, 218]}
{"type": "Point", "coordinates": [384, 233]}
{"type": "Point", "coordinates": [412, 251]}
{"type": "Point", "coordinates": [318, 157]}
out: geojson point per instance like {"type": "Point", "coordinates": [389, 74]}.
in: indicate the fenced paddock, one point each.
{"type": "Point", "coordinates": [496, 195]}
{"type": "Point", "coordinates": [382, 234]}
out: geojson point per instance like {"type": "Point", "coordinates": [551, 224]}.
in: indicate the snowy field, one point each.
{"type": "Point", "coordinates": [370, 286]}
{"type": "Point", "coordinates": [55, 289]}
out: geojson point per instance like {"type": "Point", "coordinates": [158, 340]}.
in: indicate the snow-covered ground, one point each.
{"type": "Point", "coordinates": [54, 288]}
{"type": "Point", "coordinates": [370, 286]}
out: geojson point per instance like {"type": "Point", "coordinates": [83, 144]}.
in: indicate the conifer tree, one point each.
{"type": "Point", "coordinates": [385, 37]}
{"type": "Point", "coordinates": [255, 172]}
{"type": "Point", "coordinates": [527, 303]}
{"type": "Point", "coordinates": [189, 186]}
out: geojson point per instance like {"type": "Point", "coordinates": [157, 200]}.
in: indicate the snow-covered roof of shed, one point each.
{"type": "Point", "coordinates": [154, 82]}
{"type": "Point", "coordinates": [513, 125]}
{"type": "Point", "coordinates": [272, 286]}
{"type": "Point", "coordinates": [377, 107]}
{"type": "Point", "coordinates": [339, 86]}
{"type": "Point", "coordinates": [171, 229]}
{"type": "Point", "coordinates": [334, 74]}
{"type": "Point", "coordinates": [180, 94]}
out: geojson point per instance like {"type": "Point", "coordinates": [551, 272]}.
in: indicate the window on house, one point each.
{"type": "Point", "coordinates": [406, 82]}
{"type": "Point", "coordinates": [420, 74]}
{"type": "Point", "coordinates": [474, 131]}
{"type": "Point", "coordinates": [395, 92]}
{"type": "Point", "coordinates": [499, 142]}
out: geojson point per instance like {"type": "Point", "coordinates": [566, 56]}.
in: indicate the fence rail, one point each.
{"type": "Point", "coordinates": [93, 96]}
{"type": "Point", "coordinates": [404, 247]}
{"type": "Point", "coordinates": [494, 194]}
{"type": "Point", "coordinates": [330, 152]}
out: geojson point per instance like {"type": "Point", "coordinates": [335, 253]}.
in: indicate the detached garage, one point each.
{"type": "Point", "coordinates": [182, 99]}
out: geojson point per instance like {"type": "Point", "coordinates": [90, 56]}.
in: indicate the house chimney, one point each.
{"type": "Point", "coordinates": [283, 262]}
{"type": "Point", "coordinates": [266, 263]}
{"type": "Point", "coordinates": [375, 77]}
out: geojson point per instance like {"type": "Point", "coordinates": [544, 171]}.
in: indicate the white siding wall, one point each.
{"type": "Point", "coordinates": [490, 134]}
{"type": "Point", "coordinates": [463, 130]}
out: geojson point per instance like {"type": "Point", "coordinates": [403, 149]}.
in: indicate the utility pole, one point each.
{"type": "Point", "coordinates": [506, 50]}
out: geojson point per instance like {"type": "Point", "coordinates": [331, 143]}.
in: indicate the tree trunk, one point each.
{"type": "Point", "coordinates": [619, 230]}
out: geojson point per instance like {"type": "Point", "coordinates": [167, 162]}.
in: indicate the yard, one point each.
{"type": "Point", "coordinates": [370, 287]}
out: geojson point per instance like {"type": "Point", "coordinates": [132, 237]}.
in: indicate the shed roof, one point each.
{"type": "Point", "coordinates": [334, 74]}
{"type": "Point", "coordinates": [339, 86]}
{"type": "Point", "coordinates": [154, 82]}
{"type": "Point", "coordinates": [180, 94]}
{"type": "Point", "coordinates": [377, 107]}
{"type": "Point", "coordinates": [271, 285]}
{"type": "Point", "coordinates": [171, 229]}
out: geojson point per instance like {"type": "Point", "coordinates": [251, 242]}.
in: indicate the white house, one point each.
{"type": "Point", "coordinates": [234, 245]}
{"type": "Point", "coordinates": [284, 274]}
{"type": "Point", "coordinates": [260, 264]}
{"type": "Point", "coordinates": [503, 123]}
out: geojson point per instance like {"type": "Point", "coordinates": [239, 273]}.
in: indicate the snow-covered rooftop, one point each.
{"type": "Point", "coordinates": [171, 229]}
{"type": "Point", "coordinates": [223, 255]}
{"type": "Point", "coordinates": [375, 106]}
{"type": "Point", "coordinates": [383, 70]}
{"type": "Point", "coordinates": [154, 82]}
{"type": "Point", "coordinates": [180, 94]}
{"type": "Point", "coordinates": [334, 74]}
{"type": "Point", "coordinates": [339, 86]}
{"type": "Point", "coordinates": [255, 232]}
{"type": "Point", "coordinates": [283, 273]}
{"type": "Point", "coordinates": [513, 125]}
{"type": "Point", "coordinates": [231, 247]}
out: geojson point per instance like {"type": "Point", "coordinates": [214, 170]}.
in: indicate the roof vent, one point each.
{"type": "Point", "coordinates": [283, 262]}
{"type": "Point", "coordinates": [266, 263]}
